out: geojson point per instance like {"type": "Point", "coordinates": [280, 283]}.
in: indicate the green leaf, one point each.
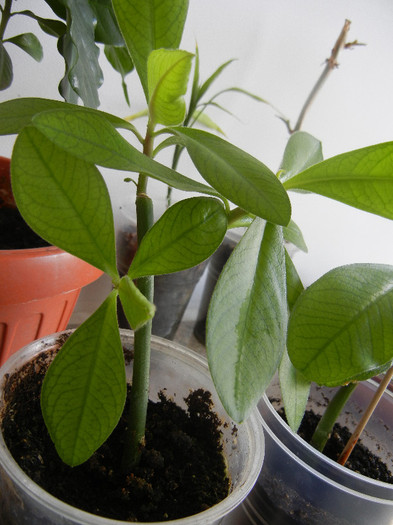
{"type": "Point", "coordinates": [90, 136]}
{"type": "Point", "coordinates": [107, 30]}
{"type": "Point", "coordinates": [150, 25]}
{"type": "Point", "coordinates": [121, 61]}
{"type": "Point", "coordinates": [186, 234]}
{"type": "Point", "coordinates": [294, 283]}
{"type": "Point", "coordinates": [137, 308]}
{"type": "Point", "coordinates": [301, 152]}
{"type": "Point", "coordinates": [362, 178]}
{"type": "Point", "coordinates": [209, 81]}
{"type": "Point", "coordinates": [168, 73]}
{"type": "Point", "coordinates": [247, 319]}
{"type": "Point", "coordinates": [48, 25]}
{"type": "Point", "coordinates": [29, 43]}
{"type": "Point", "coordinates": [341, 328]}
{"type": "Point", "coordinates": [83, 74]}
{"type": "Point", "coordinates": [6, 73]}
{"type": "Point", "coordinates": [18, 113]}
{"type": "Point", "coordinates": [295, 390]}
{"type": "Point", "coordinates": [293, 234]}
{"type": "Point", "coordinates": [64, 199]}
{"type": "Point", "coordinates": [237, 175]}
{"type": "Point", "coordinates": [84, 390]}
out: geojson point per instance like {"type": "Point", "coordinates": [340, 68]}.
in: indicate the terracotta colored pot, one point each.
{"type": "Point", "coordinates": [32, 305]}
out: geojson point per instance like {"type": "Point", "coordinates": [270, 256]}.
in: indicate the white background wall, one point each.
{"type": "Point", "coordinates": [280, 47]}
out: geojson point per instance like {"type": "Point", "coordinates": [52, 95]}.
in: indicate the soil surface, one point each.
{"type": "Point", "coordinates": [361, 459]}
{"type": "Point", "coordinates": [182, 470]}
{"type": "Point", "coordinates": [15, 233]}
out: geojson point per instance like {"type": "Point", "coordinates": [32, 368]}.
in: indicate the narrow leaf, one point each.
{"type": "Point", "coordinates": [301, 152]}
{"type": "Point", "coordinates": [64, 199]}
{"type": "Point", "coordinates": [293, 234]}
{"type": "Point", "coordinates": [29, 43]}
{"type": "Point", "coordinates": [150, 25]}
{"type": "Point", "coordinates": [137, 308]}
{"type": "Point", "coordinates": [362, 178]}
{"type": "Point", "coordinates": [6, 72]}
{"type": "Point", "coordinates": [237, 175]}
{"type": "Point", "coordinates": [84, 390]}
{"type": "Point", "coordinates": [247, 318]}
{"type": "Point", "coordinates": [91, 137]}
{"type": "Point", "coordinates": [186, 234]}
{"type": "Point", "coordinates": [48, 25]}
{"type": "Point", "coordinates": [121, 61]}
{"type": "Point", "coordinates": [295, 390]}
{"type": "Point", "coordinates": [168, 72]}
{"type": "Point", "coordinates": [341, 328]}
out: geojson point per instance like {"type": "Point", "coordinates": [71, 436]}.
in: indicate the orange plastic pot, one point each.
{"type": "Point", "coordinates": [39, 287]}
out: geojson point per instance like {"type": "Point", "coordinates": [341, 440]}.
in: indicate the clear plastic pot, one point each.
{"type": "Point", "coordinates": [299, 485]}
{"type": "Point", "coordinates": [173, 367]}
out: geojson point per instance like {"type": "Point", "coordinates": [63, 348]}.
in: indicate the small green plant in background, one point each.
{"type": "Point", "coordinates": [62, 195]}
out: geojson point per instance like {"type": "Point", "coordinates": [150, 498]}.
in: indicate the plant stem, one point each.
{"type": "Point", "coordinates": [6, 15]}
{"type": "Point", "coordinates": [331, 63]}
{"type": "Point", "coordinates": [366, 416]}
{"type": "Point", "coordinates": [139, 396]}
{"type": "Point", "coordinates": [333, 410]}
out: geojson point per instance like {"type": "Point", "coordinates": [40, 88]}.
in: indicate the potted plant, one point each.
{"type": "Point", "coordinates": [186, 234]}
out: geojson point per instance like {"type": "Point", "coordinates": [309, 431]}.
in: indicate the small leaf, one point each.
{"type": "Point", "coordinates": [90, 136]}
{"type": "Point", "coordinates": [237, 175]}
{"type": "Point", "coordinates": [150, 25]}
{"type": "Point", "coordinates": [293, 234]}
{"type": "Point", "coordinates": [362, 178]}
{"type": "Point", "coordinates": [64, 199]}
{"type": "Point", "coordinates": [294, 283]}
{"type": "Point", "coordinates": [186, 234]}
{"type": "Point", "coordinates": [6, 73]}
{"type": "Point", "coordinates": [295, 390]}
{"type": "Point", "coordinates": [121, 61]}
{"type": "Point", "coordinates": [29, 43]}
{"type": "Point", "coordinates": [137, 308]}
{"type": "Point", "coordinates": [84, 390]}
{"type": "Point", "coordinates": [48, 25]}
{"type": "Point", "coordinates": [247, 319]}
{"type": "Point", "coordinates": [341, 328]}
{"type": "Point", "coordinates": [301, 152]}
{"type": "Point", "coordinates": [168, 72]}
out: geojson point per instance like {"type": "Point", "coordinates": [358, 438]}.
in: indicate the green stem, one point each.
{"type": "Point", "coordinates": [5, 17]}
{"type": "Point", "coordinates": [333, 410]}
{"type": "Point", "coordinates": [139, 396]}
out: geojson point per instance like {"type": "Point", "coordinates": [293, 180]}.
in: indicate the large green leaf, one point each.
{"type": "Point", "coordinates": [168, 72]}
{"type": "Point", "coordinates": [362, 178]}
{"type": "Point", "coordinates": [187, 234]}
{"type": "Point", "coordinates": [83, 73]}
{"type": "Point", "coordinates": [91, 137]}
{"type": "Point", "coordinates": [64, 199]}
{"type": "Point", "coordinates": [302, 151]}
{"type": "Point", "coordinates": [247, 319]}
{"type": "Point", "coordinates": [149, 25]}
{"type": "Point", "coordinates": [84, 390]}
{"type": "Point", "coordinates": [18, 113]}
{"type": "Point", "coordinates": [341, 328]}
{"type": "Point", "coordinates": [237, 175]}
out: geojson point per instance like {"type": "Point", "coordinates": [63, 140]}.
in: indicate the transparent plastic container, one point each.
{"type": "Point", "coordinates": [299, 485]}
{"type": "Point", "coordinates": [173, 367]}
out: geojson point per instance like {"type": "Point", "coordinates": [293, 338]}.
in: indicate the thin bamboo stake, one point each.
{"type": "Point", "coordinates": [366, 416]}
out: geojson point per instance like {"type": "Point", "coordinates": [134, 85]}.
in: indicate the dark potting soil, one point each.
{"type": "Point", "coordinates": [182, 470]}
{"type": "Point", "coordinates": [361, 460]}
{"type": "Point", "coordinates": [15, 233]}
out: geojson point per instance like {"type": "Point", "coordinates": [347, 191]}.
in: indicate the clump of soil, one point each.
{"type": "Point", "coordinates": [361, 460]}
{"type": "Point", "coordinates": [182, 470]}
{"type": "Point", "coordinates": [15, 233]}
